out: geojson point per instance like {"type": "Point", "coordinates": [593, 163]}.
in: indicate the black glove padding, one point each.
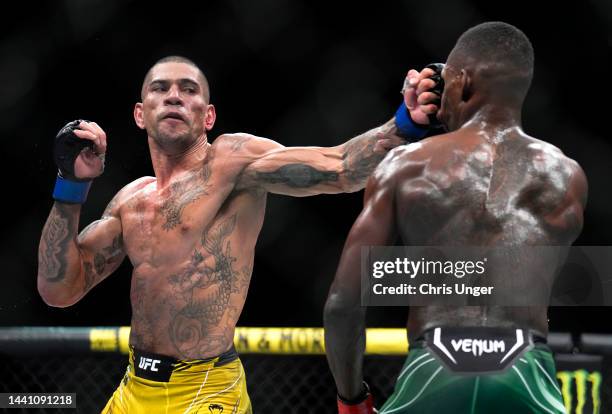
{"type": "Point", "coordinates": [67, 148]}
{"type": "Point", "coordinates": [437, 89]}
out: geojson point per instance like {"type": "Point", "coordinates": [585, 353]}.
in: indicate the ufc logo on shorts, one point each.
{"type": "Point", "coordinates": [145, 363]}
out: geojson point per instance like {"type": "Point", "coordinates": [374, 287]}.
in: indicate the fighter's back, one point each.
{"type": "Point", "coordinates": [475, 187]}
{"type": "Point", "coordinates": [485, 185]}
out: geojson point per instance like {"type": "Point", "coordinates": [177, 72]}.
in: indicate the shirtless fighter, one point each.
{"type": "Point", "coordinates": [486, 183]}
{"type": "Point", "coordinates": [190, 233]}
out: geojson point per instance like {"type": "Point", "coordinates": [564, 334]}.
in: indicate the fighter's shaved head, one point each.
{"type": "Point", "coordinates": [179, 59]}
{"type": "Point", "coordinates": [501, 50]}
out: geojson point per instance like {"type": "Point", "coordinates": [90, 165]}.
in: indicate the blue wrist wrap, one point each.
{"type": "Point", "coordinates": [406, 127]}
{"type": "Point", "coordinates": [68, 191]}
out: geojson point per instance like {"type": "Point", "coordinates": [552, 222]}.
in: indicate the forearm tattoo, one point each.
{"type": "Point", "coordinates": [58, 233]}
{"type": "Point", "coordinates": [297, 176]}
{"type": "Point", "coordinates": [359, 158]}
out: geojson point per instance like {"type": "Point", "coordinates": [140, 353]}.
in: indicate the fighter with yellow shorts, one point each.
{"type": "Point", "coordinates": [158, 384]}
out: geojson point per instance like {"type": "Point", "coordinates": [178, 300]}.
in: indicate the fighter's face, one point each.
{"type": "Point", "coordinates": [174, 105]}
{"type": "Point", "coordinates": [451, 98]}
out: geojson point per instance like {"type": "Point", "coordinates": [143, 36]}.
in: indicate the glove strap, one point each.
{"type": "Point", "coordinates": [362, 405]}
{"type": "Point", "coordinates": [68, 191]}
{"type": "Point", "coordinates": [406, 127]}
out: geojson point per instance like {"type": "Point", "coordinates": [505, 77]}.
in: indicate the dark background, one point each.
{"type": "Point", "coordinates": [299, 72]}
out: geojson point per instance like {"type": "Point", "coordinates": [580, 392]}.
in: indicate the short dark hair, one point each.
{"type": "Point", "coordinates": [501, 45]}
{"type": "Point", "coordinates": [179, 59]}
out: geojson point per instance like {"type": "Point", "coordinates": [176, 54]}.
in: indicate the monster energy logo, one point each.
{"type": "Point", "coordinates": [580, 392]}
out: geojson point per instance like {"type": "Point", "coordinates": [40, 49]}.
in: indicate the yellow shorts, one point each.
{"type": "Point", "coordinates": [158, 384]}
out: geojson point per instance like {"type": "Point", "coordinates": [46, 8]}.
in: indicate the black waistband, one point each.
{"type": "Point", "coordinates": [480, 350]}
{"type": "Point", "coordinates": [533, 335]}
{"type": "Point", "coordinates": [157, 367]}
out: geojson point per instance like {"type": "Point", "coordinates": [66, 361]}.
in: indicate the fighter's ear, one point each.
{"type": "Point", "coordinates": [466, 85]}
{"type": "Point", "coordinates": [209, 119]}
{"type": "Point", "coordinates": [138, 116]}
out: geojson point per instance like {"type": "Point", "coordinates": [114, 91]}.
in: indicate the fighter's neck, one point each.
{"type": "Point", "coordinates": [171, 164]}
{"type": "Point", "coordinates": [493, 119]}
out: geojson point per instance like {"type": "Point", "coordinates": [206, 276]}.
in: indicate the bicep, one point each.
{"type": "Point", "coordinates": [101, 248]}
{"type": "Point", "coordinates": [297, 171]}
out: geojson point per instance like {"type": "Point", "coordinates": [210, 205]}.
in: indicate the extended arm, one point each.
{"type": "Point", "coordinates": [304, 171]}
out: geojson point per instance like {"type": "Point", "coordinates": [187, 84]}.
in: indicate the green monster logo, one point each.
{"type": "Point", "coordinates": [582, 379]}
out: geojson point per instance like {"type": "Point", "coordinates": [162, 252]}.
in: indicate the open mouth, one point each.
{"type": "Point", "coordinates": [173, 115]}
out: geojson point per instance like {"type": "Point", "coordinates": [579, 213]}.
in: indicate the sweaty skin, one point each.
{"type": "Point", "coordinates": [481, 185]}
{"type": "Point", "coordinates": [190, 231]}
{"type": "Point", "coordinates": [480, 188]}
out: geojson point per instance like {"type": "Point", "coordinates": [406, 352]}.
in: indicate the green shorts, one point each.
{"type": "Point", "coordinates": [425, 386]}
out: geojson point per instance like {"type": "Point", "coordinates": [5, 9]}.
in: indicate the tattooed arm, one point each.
{"type": "Point", "coordinates": [304, 171]}
{"type": "Point", "coordinates": [362, 154]}
{"type": "Point", "coordinates": [70, 265]}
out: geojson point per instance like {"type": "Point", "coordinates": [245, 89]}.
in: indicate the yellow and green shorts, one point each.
{"type": "Point", "coordinates": [159, 384]}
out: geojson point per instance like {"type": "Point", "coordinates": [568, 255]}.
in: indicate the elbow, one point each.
{"type": "Point", "coordinates": [56, 301]}
{"type": "Point", "coordinates": [338, 309]}
{"type": "Point", "coordinates": [53, 298]}
{"type": "Point", "coordinates": [350, 186]}
{"type": "Point", "coordinates": [352, 181]}
{"type": "Point", "coordinates": [356, 187]}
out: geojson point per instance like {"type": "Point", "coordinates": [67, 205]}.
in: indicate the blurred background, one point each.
{"type": "Point", "coordinates": [299, 72]}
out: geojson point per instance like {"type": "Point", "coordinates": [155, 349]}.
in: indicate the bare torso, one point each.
{"type": "Point", "coordinates": [190, 231]}
{"type": "Point", "coordinates": [192, 246]}
{"type": "Point", "coordinates": [472, 187]}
